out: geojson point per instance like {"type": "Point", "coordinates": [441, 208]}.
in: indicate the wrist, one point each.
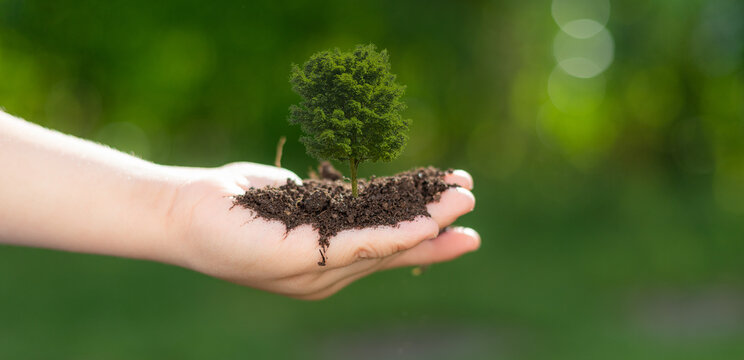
{"type": "Point", "coordinates": [152, 207]}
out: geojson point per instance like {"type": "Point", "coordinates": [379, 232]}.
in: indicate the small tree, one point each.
{"type": "Point", "coordinates": [350, 109]}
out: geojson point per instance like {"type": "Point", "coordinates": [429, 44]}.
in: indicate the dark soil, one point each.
{"type": "Point", "coordinates": [327, 204]}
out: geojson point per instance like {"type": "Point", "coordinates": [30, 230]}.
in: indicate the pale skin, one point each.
{"type": "Point", "coordinates": [61, 192]}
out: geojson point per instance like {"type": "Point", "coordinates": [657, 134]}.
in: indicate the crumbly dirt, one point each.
{"type": "Point", "coordinates": [327, 204]}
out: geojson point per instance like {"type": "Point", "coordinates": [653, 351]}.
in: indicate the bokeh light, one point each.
{"type": "Point", "coordinates": [584, 57]}
{"type": "Point", "coordinates": [574, 95]}
{"type": "Point", "coordinates": [581, 18]}
{"type": "Point", "coordinates": [662, 84]}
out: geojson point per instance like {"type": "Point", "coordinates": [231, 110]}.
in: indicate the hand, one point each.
{"type": "Point", "coordinates": [213, 237]}
{"type": "Point", "coordinates": [102, 201]}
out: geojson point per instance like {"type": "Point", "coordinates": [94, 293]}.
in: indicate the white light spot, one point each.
{"type": "Point", "coordinates": [584, 57]}
{"type": "Point", "coordinates": [566, 12]}
{"type": "Point", "coordinates": [582, 28]}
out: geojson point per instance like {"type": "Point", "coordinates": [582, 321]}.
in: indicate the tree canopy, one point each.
{"type": "Point", "coordinates": [350, 108]}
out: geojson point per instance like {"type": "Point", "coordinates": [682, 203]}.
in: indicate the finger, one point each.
{"type": "Point", "coordinates": [459, 177]}
{"type": "Point", "coordinates": [342, 283]}
{"type": "Point", "coordinates": [333, 276]}
{"type": "Point", "coordinates": [449, 245]}
{"type": "Point", "coordinates": [327, 279]}
{"type": "Point", "coordinates": [243, 183]}
{"type": "Point", "coordinates": [330, 290]}
{"type": "Point", "coordinates": [260, 175]}
{"type": "Point", "coordinates": [233, 188]}
{"type": "Point", "coordinates": [454, 203]}
{"type": "Point", "coordinates": [377, 242]}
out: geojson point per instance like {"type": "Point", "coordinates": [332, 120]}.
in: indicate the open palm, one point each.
{"type": "Point", "coordinates": [230, 242]}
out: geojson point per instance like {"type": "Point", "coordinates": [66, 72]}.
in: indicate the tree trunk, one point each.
{"type": "Point", "coordinates": [353, 165]}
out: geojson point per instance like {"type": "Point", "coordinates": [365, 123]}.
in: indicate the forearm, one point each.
{"type": "Point", "coordinates": [61, 192]}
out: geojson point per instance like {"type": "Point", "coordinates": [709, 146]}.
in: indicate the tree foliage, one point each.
{"type": "Point", "coordinates": [350, 108]}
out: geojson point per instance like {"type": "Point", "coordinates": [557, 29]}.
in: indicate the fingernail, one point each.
{"type": "Point", "coordinates": [466, 192]}
{"type": "Point", "coordinates": [465, 175]}
{"type": "Point", "coordinates": [472, 234]}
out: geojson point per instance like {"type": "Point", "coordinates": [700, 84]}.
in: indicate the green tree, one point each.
{"type": "Point", "coordinates": [350, 108]}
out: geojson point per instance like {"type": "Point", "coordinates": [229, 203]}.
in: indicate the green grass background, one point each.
{"type": "Point", "coordinates": [610, 208]}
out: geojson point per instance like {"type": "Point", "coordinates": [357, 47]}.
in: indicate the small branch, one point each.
{"type": "Point", "coordinates": [279, 147]}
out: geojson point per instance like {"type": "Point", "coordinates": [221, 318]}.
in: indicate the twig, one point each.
{"type": "Point", "coordinates": [279, 147]}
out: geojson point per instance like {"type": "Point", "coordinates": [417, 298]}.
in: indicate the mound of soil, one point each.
{"type": "Point", "coordinates": [327, 204]}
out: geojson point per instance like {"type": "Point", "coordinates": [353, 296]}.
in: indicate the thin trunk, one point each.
{"type": "Point", "coordinates": [279, 147]}
{"type": "Point", "coordinates": [353, 165]}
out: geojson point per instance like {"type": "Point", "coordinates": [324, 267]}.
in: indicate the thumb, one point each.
{"type": "Point", "coordinates": [259, 175]}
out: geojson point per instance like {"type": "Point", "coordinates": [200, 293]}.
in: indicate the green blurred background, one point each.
{"type": "Point", "coordinates": [606, 139]}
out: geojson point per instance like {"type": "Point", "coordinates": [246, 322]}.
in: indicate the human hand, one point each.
{"type": "Point", "coordinates": [211, 236]}
{"type": "Point", "coordinates": [83, 197]}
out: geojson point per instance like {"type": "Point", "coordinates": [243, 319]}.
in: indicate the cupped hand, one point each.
{"type": "Point", "coordinates": [216, 238]}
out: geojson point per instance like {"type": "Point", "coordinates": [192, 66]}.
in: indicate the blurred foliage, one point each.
{"type": "Point", "coordinates": [610, 184]}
